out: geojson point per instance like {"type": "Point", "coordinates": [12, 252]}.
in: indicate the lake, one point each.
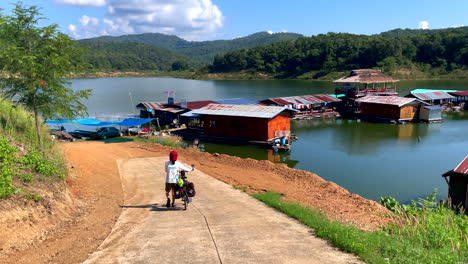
{"type": "Point", "coordinates": [372, 160]}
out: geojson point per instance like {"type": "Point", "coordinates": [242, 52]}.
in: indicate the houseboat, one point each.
{"type": "Point", "coordinates": [255, 124]}
{"type": "Point", "coordinates": [461, 100]}
{"type": "Point", "coordinates": [307, 106]}
{"type": "Point", "coordinates": [458, 185]}
{"type": "Point", "coordinates": [394, 109]}
{"type": "Point", "coordinates": [434, 98]}
{"type": "Point", "coordinates": [170, 113]}
{"type": "Point", "coordinates": [363, 82]}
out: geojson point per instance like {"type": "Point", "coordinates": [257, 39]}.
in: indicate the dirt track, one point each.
{"type": "Point", "coordinates": [95, 183]}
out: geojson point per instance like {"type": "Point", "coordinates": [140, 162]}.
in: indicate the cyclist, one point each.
{"type": "Point", "coordinates": [173, 168]}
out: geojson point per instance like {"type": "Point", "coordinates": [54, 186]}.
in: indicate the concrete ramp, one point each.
{"type": "Point", "coordinates": [222, 225]}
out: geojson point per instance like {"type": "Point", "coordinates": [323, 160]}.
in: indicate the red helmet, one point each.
{"type": "Point", "coordinates": [173, 155]}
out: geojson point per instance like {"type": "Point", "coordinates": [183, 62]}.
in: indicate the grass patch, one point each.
{"type": "Point", "coordinates": [171, 141]}
{"type": "Point", "coordinates": [32, 197]}
{"type": "Point", "coordinates": [21, 155]}
{"type": "Point", "coordinates": [242, 188]}
{"type": "Point", "coordinates": [432, 235]}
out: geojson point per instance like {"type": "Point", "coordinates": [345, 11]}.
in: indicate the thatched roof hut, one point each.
{"type": "Point", "coordinates": [366, 76]}
{"type": "Point", "coordinates": [364, 82]}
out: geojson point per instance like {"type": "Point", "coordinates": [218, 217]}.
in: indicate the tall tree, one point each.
{"type": "Point", "coordinates": [36, 60]}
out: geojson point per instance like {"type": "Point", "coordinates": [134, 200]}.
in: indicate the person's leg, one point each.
{"type": "Point", "coordinates": [173, 195]}
{"type": "Point", "coordinates": [168, 189]}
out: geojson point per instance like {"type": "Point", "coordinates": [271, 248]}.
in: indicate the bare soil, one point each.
{"type": "Point", "coordinates": [70, 223]}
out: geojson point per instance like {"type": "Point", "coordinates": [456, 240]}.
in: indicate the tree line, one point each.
{"type": "Point", "coordinates": [199, 52]}
{"type": "Point", "coordinates": [130, 56]}
{"type": "Point", "coordinates": [425, 50]}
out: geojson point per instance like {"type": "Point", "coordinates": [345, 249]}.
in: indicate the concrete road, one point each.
{"type": "Point", "coordinates": [221, 225]}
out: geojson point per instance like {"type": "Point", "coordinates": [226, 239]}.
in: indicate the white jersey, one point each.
{"type": "Point", "coordinates": [172, 171]}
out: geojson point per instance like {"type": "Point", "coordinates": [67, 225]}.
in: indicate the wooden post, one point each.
{"type": "Point", "coordinates": [157, 121]}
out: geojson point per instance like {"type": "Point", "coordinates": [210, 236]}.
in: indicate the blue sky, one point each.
{"type": "Point", "coordinates": [227, 19]}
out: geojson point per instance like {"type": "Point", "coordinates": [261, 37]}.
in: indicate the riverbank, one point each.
{"type": "Point", "coordinates": [95, 186]}
{"type": "Point", "coordinates": [402, 74]}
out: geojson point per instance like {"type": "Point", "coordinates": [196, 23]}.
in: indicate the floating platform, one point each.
{"type": "Point", "coordinates": [192, 134]}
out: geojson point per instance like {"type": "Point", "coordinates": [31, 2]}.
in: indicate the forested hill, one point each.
{"type": "Point", "coordinates": [202, 51]}
{"type": "Point", "coordinates": [109, 56]}
{"type": "Point", "coordinates": [434, 51]}
{"type": "Point", "coordinates": [418, 32]}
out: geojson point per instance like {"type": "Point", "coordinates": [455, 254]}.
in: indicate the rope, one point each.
{"type": "Point", "coordinates": [211, 234]}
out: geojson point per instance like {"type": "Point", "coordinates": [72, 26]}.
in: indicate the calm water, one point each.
{"type": "Point", "coordinates": [372, 160]}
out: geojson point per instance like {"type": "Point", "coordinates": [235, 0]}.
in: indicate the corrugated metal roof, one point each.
{"type": "Point", "coordinates": [236, 101]}
{"type": "Point", "coordinates": [197, 104]}
{"type": "Point", "coordinates": [433, 107]}
{"type": "Point", "coordinates": [431, 90]}
{"type": "Point", "coordinates": [462, 167]}
{"type": "Point", "coordinates": [304, 99]}
{"type": "Point", "coordinates": [459, 93]}
{"type": "Point", "coordinates": [241, 110]}
{"type": "Point", "coordinates": [428, 96]}
{"type": "Point", "coordinates": [388, 100]}
{"type": "Point", "coordinates": [326, 98]}
{"type": "Point", "coordinates": [151, 105]}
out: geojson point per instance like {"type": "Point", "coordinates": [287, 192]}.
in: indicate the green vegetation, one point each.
{"type": "Point", "coordinates": [419, 53]}
{"type": "Point", "coordinates": [200, 52]}
{"type": "Point", "coordinates": [431, 233]}
{"type": "Point", "coordinates": [109, 56]}
{"type": "Point", "coordinates": [22, 158]}
{"type": "Point", "coordinates": [170, 141]}
{"type": "Point", "coordinates": [35, 61]}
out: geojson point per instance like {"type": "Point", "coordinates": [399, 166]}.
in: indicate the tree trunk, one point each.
{"type": "Point", "coordinates": [36, 120]}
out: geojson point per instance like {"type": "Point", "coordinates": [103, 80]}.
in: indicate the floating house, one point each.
{"type": "Point", "coordinates": [318, 105]}
{"type": "Point", "coordinates": [251, 122]}
{"type": "Point", "coordinates": [461, 98]}
{"type": "Point", "coordinates": [458, 184]}
{"type": "Point", "coordinates": [166, 113]}
{"type": "Point", "coordinates": [389, 108]}
{"type": "Point", "coordinates": [365, 82]}
{"type": "Point", "coordinates": [430, 113]}
{"type": "Point", "coordinates": [434, 98]}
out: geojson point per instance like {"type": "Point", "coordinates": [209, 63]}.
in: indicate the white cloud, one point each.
{"type": "Point", "coordinates": [89, 21]}
{"type": "Point", "coordinates": [73, 31]}
{"type": "Point", "coordinates": [270, 32]}
{"type": "Point", "coordinates": [189, 19]}
{"type": "Point", "coordinates": [457, 26]}
{"type": "Point", "coordinates": [423, 25]}
{"type": "Point", "coordinates": [88, 27]}
{"type": "Point", "coordinates": [82, 3]}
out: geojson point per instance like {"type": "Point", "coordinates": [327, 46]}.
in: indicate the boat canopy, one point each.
{"type": "Point", "coordinates": [95, 122]}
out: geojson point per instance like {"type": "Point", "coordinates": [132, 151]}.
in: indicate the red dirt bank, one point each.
{"type": "Point", "coordinates": [73, 228]}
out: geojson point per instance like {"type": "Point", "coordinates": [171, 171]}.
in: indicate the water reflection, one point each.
{"type": "Point", "coordinates": [363, 139]}
{"type": "Point", "coordinates": [254, 152]}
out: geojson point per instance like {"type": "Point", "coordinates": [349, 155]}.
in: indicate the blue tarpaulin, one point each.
{"type": "Point", "coordinates": [132, 122]}
{"type": "Point", "coordinates": [95, 122]}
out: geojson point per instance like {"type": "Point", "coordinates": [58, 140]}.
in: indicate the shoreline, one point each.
{"type": "Point", "coordinates": [238, 76]}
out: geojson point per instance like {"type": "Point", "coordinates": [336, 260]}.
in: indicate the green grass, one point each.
{"type": "Point", "coordinates": [170, 141]}
{"type": "Point", "coordinates": [21, 155]}
{"type": "Point", "coordinates": [432, 235]}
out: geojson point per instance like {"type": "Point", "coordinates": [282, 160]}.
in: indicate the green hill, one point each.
{"type": "Point", "coordinates": [418, 32]}
{"type": "Point", "coordinates": [201, 51]}
{"type": "Point", "coordinates": [112, 56]}
{"type": "Point", "coordinates": [430, 53]}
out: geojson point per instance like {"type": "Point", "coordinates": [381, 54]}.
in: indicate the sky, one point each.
{"type": "Point", "coordinates": [200, 20]}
